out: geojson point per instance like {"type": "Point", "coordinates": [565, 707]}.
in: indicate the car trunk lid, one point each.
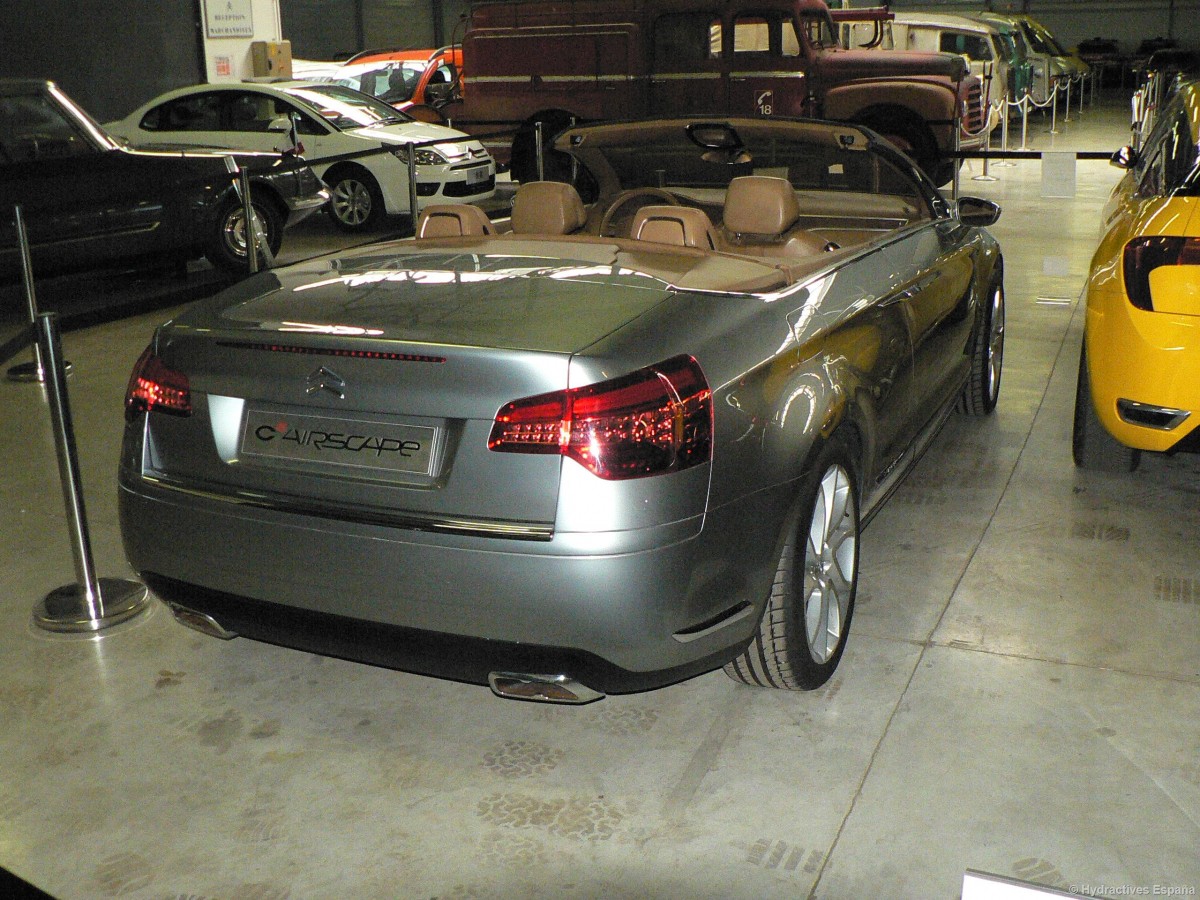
{"type": "Point", "coordinates": [369, 393]}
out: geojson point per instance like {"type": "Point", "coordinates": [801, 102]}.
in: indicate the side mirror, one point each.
{"type": "Point", "coordinates": [280, 124]}
{"type": "Point", "coordinates": [977, 213]}
{"type": "Point", "coordinates": [1125, 158]}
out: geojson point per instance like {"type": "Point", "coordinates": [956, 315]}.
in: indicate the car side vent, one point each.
{"type": "Point", "coordinates": [344, 352]}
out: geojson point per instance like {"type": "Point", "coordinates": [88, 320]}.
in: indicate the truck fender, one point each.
{"type": "Point", "coordinates": [931, 102]}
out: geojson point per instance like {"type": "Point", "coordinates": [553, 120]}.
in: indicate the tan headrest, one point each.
{"type": "Point", "coordinates": [547, 207]}
{"type": "Point", "coordinates": [683, 226]}
{"type": "Point", "coordinates": [453, 220]}
{"type": "Point", "coordinates": [760, 204]}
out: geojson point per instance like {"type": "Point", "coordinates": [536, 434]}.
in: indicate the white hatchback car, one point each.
{"type": "Point", "coordinates": [331, 122]}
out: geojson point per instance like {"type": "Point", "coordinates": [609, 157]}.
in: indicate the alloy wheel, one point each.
{"type": "Point", "coordinates": [351, 201]}
{"type": "Point", "coordinates": [995, 358]}
{"type": "Point", "coordinates": [830, 561]}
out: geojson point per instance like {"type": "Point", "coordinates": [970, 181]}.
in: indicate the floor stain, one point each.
{"type": "Point", "coordinates": [122, 874]}
{"type": "Point", "coordinates": [168, 679]}
{"type": "Point", "coordinates": [577, 818]}
{"type": "Point", "coordinates": [521, 759]}
{"type": "Point", "coordinates": [220, 733]}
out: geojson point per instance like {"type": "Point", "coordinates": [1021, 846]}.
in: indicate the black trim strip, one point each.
{"type": "Point", "coordinates": [440, 655]}
{"type": "Point", "coordinates": [332, 351]}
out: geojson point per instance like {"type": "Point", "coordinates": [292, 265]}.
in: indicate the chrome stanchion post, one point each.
{"type": "Point", "coordinates": [538, 151]}
{"type": "Point", "coordinates": [413, 210]}
{"type": "Point", "coordinates": [91, 604]}
{"type": "Point", "coordinates": [1025, 119]}
{"type": "Point", "coordinates": [252, 230]}
{"type": "Point", "coordinates": [250, 226]}
{"type": "Point", "coordinates": [1067, 105]}
{"type": "Point", "coordinates": [574, 162]}
{"type": "Point", "coordinates": [1005, 163]}
{"type": "Point", "coordinates": [29, 371]}
{"type": "Point", "coordinates": [1054, 109]}
{"type": "Point", "coordinates": [987, 149]}
{"type": "Point", "coordinates": [956, 146]}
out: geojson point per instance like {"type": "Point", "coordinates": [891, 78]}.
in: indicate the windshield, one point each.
{"type": "Point", "coordinates": [819, 29]}
{"type": "Point", "coordinates": [1041, 40]}
{"type": "Point", "coordinates": [345, 108]}
{"type": "Point", "coordinates": [390, 81]}
{"type": "Point", "coordinates": [697, 162]}
{"type": "Point", "coordinates": [1013, 51]}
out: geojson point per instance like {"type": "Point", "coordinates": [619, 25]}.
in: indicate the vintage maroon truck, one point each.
{"type": "Point", "coordinates": [554, 61]}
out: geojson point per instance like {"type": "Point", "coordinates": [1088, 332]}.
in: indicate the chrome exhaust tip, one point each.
{"type": "Point", "coordinates": [542, 688]}
{"type": "Point", "coordinates": [201, 622]}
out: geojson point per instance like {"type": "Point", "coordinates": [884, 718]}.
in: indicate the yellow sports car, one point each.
{"type": "Point", "coordinates": [1139, 370]}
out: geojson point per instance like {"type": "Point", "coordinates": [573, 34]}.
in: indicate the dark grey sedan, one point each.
{"type": "Point", "coordinates": [631, 438]}
{"type": "Point", "coordinates": [90, 202]}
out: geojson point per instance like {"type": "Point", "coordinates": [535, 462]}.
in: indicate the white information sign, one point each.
{"type": "Point", "coordinates": [229, 18]}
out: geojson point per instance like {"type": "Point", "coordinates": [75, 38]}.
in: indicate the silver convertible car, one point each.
{"type": "Point", "coordinates": [626, 437]}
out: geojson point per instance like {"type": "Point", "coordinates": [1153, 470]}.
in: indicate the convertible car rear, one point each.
{"type": "Point", "coordinates": [631, 438]}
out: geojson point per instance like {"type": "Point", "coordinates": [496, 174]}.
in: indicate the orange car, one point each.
{"type": "Point", "coordinates": [405, 78]}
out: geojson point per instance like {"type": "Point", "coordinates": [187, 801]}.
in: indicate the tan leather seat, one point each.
{"type": "Point", "coordinates": [453, 220]}
{"type": "Point", "coordinates": [547, 207]}
{"type": "Point", "coordinates": [760, 212]}
{"type": "Point", "coordinates": [683, 226]}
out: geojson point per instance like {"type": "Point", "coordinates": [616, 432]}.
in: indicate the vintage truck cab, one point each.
{"type": "Point", "coordinates": [553, 62]}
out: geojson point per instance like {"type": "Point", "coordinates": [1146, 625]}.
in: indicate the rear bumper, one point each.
{"type": "Point", "coordinates": [618, 612]}
{"type": "Point", "coordinates": [452, 656]}
{"type": "Point", "coordinates": [1144, 359]}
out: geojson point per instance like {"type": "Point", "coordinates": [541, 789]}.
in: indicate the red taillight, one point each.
{"type": "Point", "coordinates": [155, 388]}
{"type": "Point", "coordinates": [653, 421]}
{"type": "Point", "coordinates": [1145, 254]}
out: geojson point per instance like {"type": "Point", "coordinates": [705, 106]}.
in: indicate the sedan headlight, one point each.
{"type": "Point", "coordinates": [426, 156]}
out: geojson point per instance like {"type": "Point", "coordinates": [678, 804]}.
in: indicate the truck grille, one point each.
{"type": "Point", "coordinates": [975, 114]}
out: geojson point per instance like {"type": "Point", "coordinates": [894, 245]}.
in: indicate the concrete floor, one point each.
{"type": "Point", "coordinates": [1020, 693]}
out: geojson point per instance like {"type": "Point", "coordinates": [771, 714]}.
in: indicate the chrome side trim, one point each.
{"type": "Point", "coordinates": [304, 506]}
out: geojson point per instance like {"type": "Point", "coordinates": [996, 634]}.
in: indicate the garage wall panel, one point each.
{"type": "Point", "coordinates": [110, 55]}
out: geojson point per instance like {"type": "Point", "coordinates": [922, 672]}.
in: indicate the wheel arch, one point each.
{"type": "Point", "coordinates": [263, 188]}
{"type": "Point", "coordinates": [836, 401]}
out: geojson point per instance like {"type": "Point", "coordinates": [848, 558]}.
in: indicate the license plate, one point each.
{"type": "Point", "coordinates": [348, 443]}
{"type": "Point", "coordinates": [477, 176]}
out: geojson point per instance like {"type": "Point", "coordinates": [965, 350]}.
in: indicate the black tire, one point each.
{"type": "Point", "coordinates": [1091, 445]}
{"type": "Point", "coordinates": [913, 137]}
{"type": "Point", "coordinates": [982, 390]}
{"type": "Point", "coordinates": [814, 589]}
{"type": "Point", "coordinates": [355, 202]}
{"type": "Point", "coordinates": [555, 166]}
{"type": "Point", "coordinates": [227, 245]}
